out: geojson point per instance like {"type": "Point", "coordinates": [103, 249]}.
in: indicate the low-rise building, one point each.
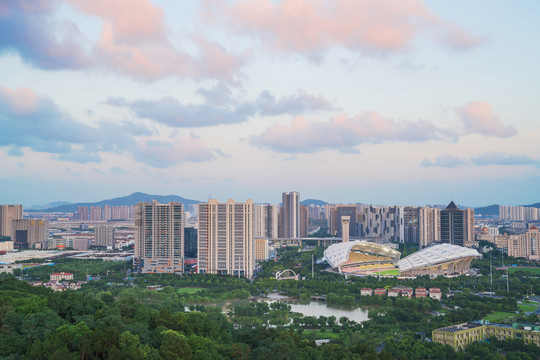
{"type": "Point", "coordinates": [435, 293]}
{"type": "Point", "coordinates": [61, 276]}
{"type": "Point", "coordinates": [366, 292]}
{"type": "Point", "coordinates": [380, 292]}
{"type": "Point", "coordinates": [394, 292]}
{"type": "Point", "coordinates": [420, 292]}
{"type": "Point", "coordinates": [461, 335]}
{"type": "Point", "coordinates": [407, 292]}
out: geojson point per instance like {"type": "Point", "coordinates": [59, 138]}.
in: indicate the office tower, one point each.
{"type": "Point", "coordinates": [159, 237]}
{"type": "Point", "coordinates": [30, 233]}
{"type": "Point", "coordinates": [453, 225]}
{"type": "Point", "coordinates": [226, 244]}
{"type": "Point", "coordinates": [190, 242]}
{"type": "Point", "coordinates": [8, 213]}
{"type": "Point", "coordinates": [104, 236]}
{"type": "Point", "coordinates": [265, 221]}
{"type": "Point", "coordinates": [345, 222]}
{"type": "Point", "coordinates": [336, 212]}
{"type": "Point", "coordinates": [290, 215]}
{"type": "Point", "coordinates": [304, 221]}
{"type": "Point", "coordinates": [429, 226]}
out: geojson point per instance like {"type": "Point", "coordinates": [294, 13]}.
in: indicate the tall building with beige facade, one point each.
{"type": "Point", "coordinates": [8, 213]}
{"type": "Point", "coordinates": [159, 237]}
{"type": "Point", "coordinates": [226, 244]}
{"type": "Point", "coordinates": [30, 233]}
{"type": "Point", "coordinates": [430, 226]}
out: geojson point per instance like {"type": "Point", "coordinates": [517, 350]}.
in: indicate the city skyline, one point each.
{"type": "Point", "coordinates": [419, 103]}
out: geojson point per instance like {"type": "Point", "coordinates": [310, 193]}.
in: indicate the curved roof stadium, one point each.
{"type": "Point", "coordinates": [338, 254]}
{"type": "Point", "coordinates": [438, 259]}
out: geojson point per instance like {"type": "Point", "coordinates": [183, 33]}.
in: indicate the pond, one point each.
{"type": "Point", "coordinates": [319, 308]}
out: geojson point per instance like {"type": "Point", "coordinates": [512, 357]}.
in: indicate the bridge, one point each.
{"type": "Point", "coordinates": [287, 274]}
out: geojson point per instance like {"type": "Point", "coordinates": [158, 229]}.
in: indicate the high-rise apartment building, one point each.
{"type": "Point", "coordinates": [429, 226]}
{"type": "Point", "coordinates": [290, 215]}
{"type": "Point", "coordinates": [8, 213]}
{"type": "Point", "coordinates": [30, 233]}
{"type": "Point", "coordinates": [226, 244]}
{"type": "Point", "coordinates": [104, 236]}
{"type": "Point", "coordinates": [265, 221]}
{"type": "Point", "coordinates": [457, 226]}
{"type": "Point", "coordinates": [303, 221]}
{"type": "Point", "coordinates": [159, 237]}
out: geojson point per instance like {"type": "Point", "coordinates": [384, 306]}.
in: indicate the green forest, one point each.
{"type": "Point", "coordinates": [200, 316]}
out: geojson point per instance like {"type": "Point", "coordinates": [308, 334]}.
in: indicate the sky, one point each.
{"type": "Point", "coordinates": [372, 101]}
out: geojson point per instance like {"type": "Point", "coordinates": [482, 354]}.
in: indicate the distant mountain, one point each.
{"type": "Point", "coordinates": [313, 202]}
{"type": "Point", "coordinates": [124, 200]}
{"type": "Point", "coordinates": [537, 205]}
{"type": "Point", "coordinates": [47, 206]}
{"type": "Point", "coordinates": [487, 210]}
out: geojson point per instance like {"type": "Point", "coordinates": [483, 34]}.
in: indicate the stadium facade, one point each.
{"type": "Point", "coordinates": [443, 259]}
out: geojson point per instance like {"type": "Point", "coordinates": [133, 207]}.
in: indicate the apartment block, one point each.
{"type": "Point", "coordinates": [30, 233]}
{"type": "Point", "coordinates": [8, 213]}
{"type": "Point", "coordinates": [290, 215]}
{"type": "Point", "coordinates": [226, 244]}
{"type": "Point", "coordinates": [104, 236]}
{"type": "Point", "coordinates": [159, 237]}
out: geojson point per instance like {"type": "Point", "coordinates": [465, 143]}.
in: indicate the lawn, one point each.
{"type": "Point", "coordinates": [527, 307]}
{"type": "Point", "coordinates": [498, 316]}
{"type": "Point", "coordinates": [390, 272]}
{"type": "Point", "coordinates": [328, 334]}
{"type": "Point", "coordinates": [188, 290]}
{"type": "Point", "coordinates": [535, 270]}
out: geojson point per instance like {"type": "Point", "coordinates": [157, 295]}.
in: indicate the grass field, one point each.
{"type": "Point", "coordinates": [535, 270]}
{"type": "Point", "coordinates": [390, 272]}
{"type": "Point", "coordinates": [527, 307]}
{"type": "Point", "coordinates": [328, 334]}
{"type": "Point", "coordinates": [188, 290]}
{"type": "Point", "coordinates": [498, 316]}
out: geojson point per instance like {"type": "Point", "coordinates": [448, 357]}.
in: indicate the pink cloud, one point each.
{"type": "Point", "coordinates": [133, 21]}
{"type": "Point", "coordinates": [311, 27]}
{"type": "Point", "coordinates": [135, 41]}
{"type": "Point", "coordinates": [20, 102]}
{"type": "Point", "coordinates": [343, 133]}
{"type": "Point", "coordinates": [160, 153]}
{"type": "Point", "coordinates": [478, 117]}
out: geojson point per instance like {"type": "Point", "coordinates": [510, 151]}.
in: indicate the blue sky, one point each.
{"type": "Point", "coordinates": [381, 102]}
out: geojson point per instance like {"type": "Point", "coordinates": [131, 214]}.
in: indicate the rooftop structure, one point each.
{"type": "Point", "coordinates": [444, 259]}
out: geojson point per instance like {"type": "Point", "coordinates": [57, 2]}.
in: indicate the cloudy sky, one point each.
{"type": "Point", "coordinates": [383, 101]}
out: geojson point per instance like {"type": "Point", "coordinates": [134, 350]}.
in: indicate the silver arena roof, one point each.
{"type": "Point", "coordinates": [433, 255]}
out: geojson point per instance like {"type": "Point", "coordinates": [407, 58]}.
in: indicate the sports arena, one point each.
{"type": "Point", "coordinates": [443, 259]}
{"type": "Point", "coordinates": [362, 258]}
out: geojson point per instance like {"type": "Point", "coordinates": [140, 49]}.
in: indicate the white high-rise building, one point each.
{"type": "Point", "coordinates": [159, 237]}
{"type": "Point", "coordinates": [225, 243]}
